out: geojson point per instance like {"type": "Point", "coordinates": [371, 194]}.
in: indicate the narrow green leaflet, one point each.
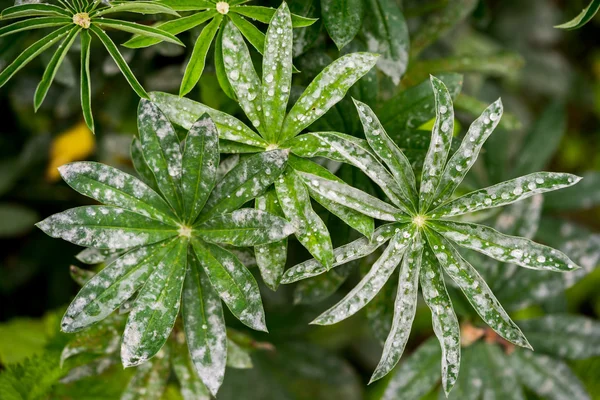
{"type": "Point", "coordinates": [139, 29]}
{"type": "Point", "coordinates": [549, 378]}
{"type": "Point", "coordinates": [53, 66]}
{"type": "Point", "coordinates": [247, 180]}
{"type": "Point", "coordinates": [583, 18]}
{"type": "Point", "coordinates": [310, 229]}
{"type": "Point", "coordinates": [195, 65]}
{"type": "Point", "coordinates": [271, 257]}
{"type": "Point", "coordinates": [506, 193]}
{"type": "Point", "coordinates": [370, 285]}
{"type": "Point", "coordinates": [113, 187]}
{"type": "Point", "coordinates": [470, 381]}
{"type": "Point", "coordinates": [445, 323]}
{"type": "Point", "coordinates": [343, 254]}
{"type": "Point", "coordinates": [233, 283]}
{"type": "Point", "coordinates": [237, 357]}
{"type": "Point", "coordinates": [190, 385]}
{"type": "Point", "coordinates": [586, 195]}
{"type": "Point", "coordinates": [188, 5]}
{"type": "Point", "coordinates": [265, 15]}
{"type": "Point", "coordinates": [220, 68]}
{"type": "Point", "coordinates": [327, 89]}
{"type": "Point", "coordinates": [80, 275]}
{"type": "Point", "coordinates": [204, 326]}
{"type": "Point", "coordinates": [244, 227]}
{"type": "Point", "coordinates": [463, 159]}
{"type": "Point", "coordinates": [86, 83]}
{"type": "Point", "coordinates": [34, 23]}
{"type": "Point", "coordinates": [405, 308]}
{"type": "Point", "coordinates": [250, 32]}
{"type": "Point", "coordinates": [105, 227]}
{"type": "Point", "coordinates": [93, 256]}
{"type": "Point", "coordinates": [140, 7]}
{"type": "Point", "coordinates": [150, 379]}
{"type": "Point", "coordinates": [277, 71]}
{"type": "Point", "coordinates": [200, 161]}
{"type": "Point", "coordinates": [161, 150]}
{"type": "Point", "coordinates": [476, 290]}
{"type": "Point", "coordinates": [150, 322]}
{"type": "Point", "coordinates": [441, 139]}
{"type": "Point", "coordinates": [319, 288]}
{"type": "Point", "coordinates": [343, 19]}
{"type": "Point", "coordinates": [33, 10]}
{"type": "Point", "coordinates": [141, 167]}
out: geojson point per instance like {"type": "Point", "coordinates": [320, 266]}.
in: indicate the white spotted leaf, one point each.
{"type": "Point", "coordinates": [190, 384]}
{"type": "Point", "coordinates": [150, 379]}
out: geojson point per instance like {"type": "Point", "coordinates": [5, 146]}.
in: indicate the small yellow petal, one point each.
{"type": "Point", "coordinates": [73, 144]}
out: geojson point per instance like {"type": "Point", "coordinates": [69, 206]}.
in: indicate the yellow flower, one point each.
{"type": "Point", "coordinates": [73, 144]}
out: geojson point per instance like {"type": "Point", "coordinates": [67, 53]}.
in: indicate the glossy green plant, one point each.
{"type": "Point", "coordinates": [74, 19]}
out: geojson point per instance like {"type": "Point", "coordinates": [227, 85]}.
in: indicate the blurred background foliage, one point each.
{"type": "Point", "coordinates": [549, 81]}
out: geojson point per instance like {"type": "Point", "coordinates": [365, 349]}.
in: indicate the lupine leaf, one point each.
{"type": "Point", "coordinates": [248, 179]}
{"type": "Point", "coordinates": [140, 165]}
{"type": "Point", "coordinates": [185, 112]}
{"type": "Point", "coordinates": [470, 382]}
{"type": "Point", "coordinates": [387, 150]}
{"type": "Point", "coordinates": [549, 378]}
{"type": "Point", "coordinates": [265, 14]}
{"type": "Point", "coordinates": [463, 159]}
{"type": "Point", "coordinates": [241, 75]}
{"type": "Point", "coordinates": [370, 285]}
{"type": "Point", "coordinates": [343, 254]}
{"type": "Point", "coordinates": [439, 147]}
{"type": "Point", "coordinates": [188, 5]}
{"type": "Point", "coordinates": [318, 288]}
{"type": "Point", "coordinates": [120, 61]}
{"type": "Point", "coordinates": [150, 322]}
{"type": "Point", "coordinates": [445, 323]}
{"type": "Point", "coordinates": [138, 29]}
{"type": "Point", "coordinates": [105, 227]}
{"type": "Point", "coordinates": [271, 257]}
{"type": "Point", "coordinates": [582, 18]}
{"type": "Point", "coordinates": [86, 83]}
{"type": "Point", "coordinates": [96, 256]}
{"type": "Point", "coordinates": [310, 229]}
{"type": "Point", "coordinates": [34, 23]}
{"type": "Point", "coordinates": [199, 163]}
{"type": "Point", "coordinates": [277, 70]}
{"type": "Point", "coordinates": [506, 193]}
{"type": "Point", "coordinates": [586, 195]}
{"type": "Point", "coordinates": [150, 379]}
{"type": "Point", "coordinates": [233, 283]}
{"type": "Point", "coordinates": [564, 336]}
{"type": "Point", "coordinates": [476, 290]}
{"type": "Point", "coordinates": [204, 325]}
{"type": "Point", "coordinates": [237, 357]}
{"type": "Point", "coordinates": [190, 385]}
{"type": "Point", "coordinates": [405, 308]}
{"type": "Point", "coordinates": [140, 7]}
{"type": "Point", "coordinates": [244, 227]}
{"type": "Point", "coordinates": [53, 66]}
{"type": "Point", "coordinates": [220, 68]}
{"type": "Point", "coordinates": [161, 150]}
{"type": "Point", "coordinates": [33, 10]}
{"type": "Point", "coordinates": [343, 19]}
{"type": "Point", "coordinates": [195, 65]}
{"type": "Point", "coordinates": [328, 88]}
{"type": "Point", "coordinates": [509, 249]}
{"type": "Point", "coordinates": [113, 187]}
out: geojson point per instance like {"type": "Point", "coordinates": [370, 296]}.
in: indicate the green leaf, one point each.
{"type": "Point", "coordinates": [173, 27]}
{"type": "Point", "coordinates": [113, 187]}
{"type": "Point", "coordinates": [586, 195]}
{"type": "Point", "coordinates": [564, 336]}
{"type": "Point", "coordinates": [96, 256]}
{"type": "Point", "coordinates": [463, 159]}
{"type": "Point", "coordinates": [343, 254]}
{"type": "Point", "coordinates": [508, 249]}
{"type": "Point", "coordinates": [32, 52]}
{"type": "Point", "coordinates": [474, 106]}
{"type": "Point", "coordinates": [237, 357]}
{"type": "Point", "coordinates": [265, 14]}
{"type": "Point", "coordinates": [112, 286]}
{"type": "Point", "coordinates": [190, 385]}
{"type": "Point", "coordinates": [250, 32]}
{"type": "Point", "coordinates": [105, 227]}
{"type": "Point", "coordinates": [387, 34]}
{"type": "Point", "coordinates": [100, 339]}
{"type": "Point", "coordinates": [445, 323]}
{"type": "Point", "coordinates": [187, 5]}
{"type": "Point", "coordinates": [120, 61]}
{"type": "Point", "coordinates": [387, 150]}
{"type": "Point", "coordinates": [328, 88]}
{"type": "Point", "coordinates": [370, 285]}
{"type": "Point", "coordinates": [150, 379]}
{"type": "Point", "coordinates": [405, 308]}
{"type": "Point", "coordinates": [549, 378]}
{"type": "Point", "coordinates": [86, 83]}
{"type": "Point", "coordinates": [310, 229]}
{"type": "Point", "coordinates": [195, 66]}
{"type": "Point", "coordinates": [582, 18]}
{"type": "Point", "coordinates": [242, 76]}
{"type": "Point", "coordinates": [140, 7]}
{"type": "Point", "coordinates": [497, 376]}
{"type": "Point", "coordinates": [220, 69]}
{"type": "Point", "coordinates": [204, 326]}
{"type": "Point", "coordinates": [79, 275]}
{"type": "Point", "coordinates": [476, 290]}
{"type": "Point", "coordinates": [319, 288]}
{"type": "Point", "coordinates": [137, 29]}
{"type": "Point", "coordinates": [150, 322]}
{"type": "Point", "coordinates": [247, 180]}
{"type": "Point", "coordinates": [470, 381]}
{"type": "Point", "coordinates": [161, 150]}
{"type": "Point", "coordinates": [343, 19]}
{"type": "Point", "coordinates": [200, 162]}
{"type": "Point", "coordinates": [505, 193]}
{"type": "Point", "coordinates": [277, 71]}
{"type": "Point", "coordinates": [34, 23]}
{"type": "Point", "coordinates": [233, 282]}
{"type": "Point", "coordinates": [33, 10]}
{"type": "Point", "coordinates": [185, 112]}
{"type": "Point", "coordinates": [140, 165]}
{"type": "Point", "coordinates": [244, 227]}
{"type": "Point", "coordinates": [439, 147]}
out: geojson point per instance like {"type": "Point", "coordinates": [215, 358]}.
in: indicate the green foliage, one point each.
{"type": "Point", "coordinates": [583, 18]}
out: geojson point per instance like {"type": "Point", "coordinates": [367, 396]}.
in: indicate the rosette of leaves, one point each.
{"type": "Point", "coordinates": [264, 102]}
{"type": "Point", "coordinates": [216, 14]}
{"type": "Point", "coordinates": [423, 234]}
{"type": "Point", "coordinates": [84, 19]}
{"type": "Point", "coordinates": [173, 227]}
